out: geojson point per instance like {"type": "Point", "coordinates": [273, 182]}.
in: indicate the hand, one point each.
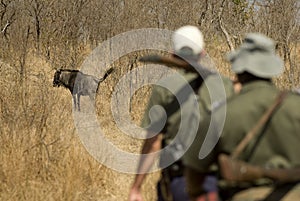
{"type": "Point", "coordinates": [135, 195]}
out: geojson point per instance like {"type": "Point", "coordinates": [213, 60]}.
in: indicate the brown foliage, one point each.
{"type": "Point", "coordinates": [41, 156]}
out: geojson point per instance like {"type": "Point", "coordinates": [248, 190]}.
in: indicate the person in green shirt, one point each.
{"type": "Point", "coordinates": [172, 101]}
{"type": "Point", "coordinates": [275, 146]}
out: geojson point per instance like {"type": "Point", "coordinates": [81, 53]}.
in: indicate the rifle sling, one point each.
{"type": "Point", "coordinates": [260, 123]}
{"type": "Point", "coordinates": [279, 192]}
{"type": "Point", "coordinates": [257, 127]}
{"type": "Point", "coordinates": [173, 106]}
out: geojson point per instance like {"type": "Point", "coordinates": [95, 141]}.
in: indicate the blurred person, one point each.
{"type": "Point", "coordinates": [261, 119]}
{"type": "Point", "coordinates": [188, 44]}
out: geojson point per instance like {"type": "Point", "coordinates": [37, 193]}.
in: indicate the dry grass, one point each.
{"type": "Point", "coordinates": [41, 155]}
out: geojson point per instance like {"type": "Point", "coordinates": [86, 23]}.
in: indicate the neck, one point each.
{"type": "Point", "coordinates": [246, 77]}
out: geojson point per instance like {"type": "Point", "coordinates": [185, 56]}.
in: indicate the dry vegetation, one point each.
{"type": "Point", "coordinates": [41, 155]}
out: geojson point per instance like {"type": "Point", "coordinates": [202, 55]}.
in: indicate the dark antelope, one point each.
{"type": "Point", "coordinates": [78, 83]}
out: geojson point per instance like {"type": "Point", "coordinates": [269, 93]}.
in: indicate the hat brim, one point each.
{"type": "Point", "coordinates": [260, 64]}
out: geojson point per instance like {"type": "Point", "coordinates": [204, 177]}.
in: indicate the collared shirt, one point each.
{"type": "Point", "coordinates": [281, 138]}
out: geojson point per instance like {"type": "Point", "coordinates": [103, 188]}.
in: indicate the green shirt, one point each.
{"type": "Point", "coordinates": [179, 120]}
{"type": "Point", "coordinates": [163, 100]}
{"type": "Point", "coordinates": [281, 137]}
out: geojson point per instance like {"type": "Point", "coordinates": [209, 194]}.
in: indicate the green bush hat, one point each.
{"type": "Point", "coordinates": [257, 56]}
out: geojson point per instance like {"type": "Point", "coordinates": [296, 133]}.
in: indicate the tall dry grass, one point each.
{"type": "Point", "coordinates": [41, 155]}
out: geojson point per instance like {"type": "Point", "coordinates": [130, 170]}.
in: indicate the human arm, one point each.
{"type": "Point", "coordinates": [150, 145]}
{"type": "Point", "coordinates": [154, 121]}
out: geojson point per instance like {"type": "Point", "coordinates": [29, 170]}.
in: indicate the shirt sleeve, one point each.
{"type": "Point", "coordinates": [155, 116]}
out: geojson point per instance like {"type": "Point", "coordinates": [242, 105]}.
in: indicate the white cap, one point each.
{"type": "Point", "coordinates": [188, 36]}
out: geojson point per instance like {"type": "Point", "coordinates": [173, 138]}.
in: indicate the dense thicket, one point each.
{"type": "Point", "coordinates": [59, 29]}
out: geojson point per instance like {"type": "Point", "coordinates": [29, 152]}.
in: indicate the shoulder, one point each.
{"type": "Point", "coordinates": [248, 105]}
{"type": "Point", "coordinates": [255, 93]}
{"type": "Point", "coordinates": [165, 89]}
{"type": "Point", "coordinates": [215, 90]}
{"type": "Point", "coordinates": [296, 91]}
{"type": "Point", "coordinates": [177, 79]}
{"type": "Point", "coordinates": [292, 102]}
{"type": "Point", "coordinates": [217, 83]}
{"type": "Point", "coordinates": [172, 83]}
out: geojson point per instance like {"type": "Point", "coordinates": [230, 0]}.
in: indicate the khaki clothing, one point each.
{"type": "Point", "coordinates": [161, 116]}
{"type": "Point", "coordinates": [214, 91]}
{"type": "Point", "coordinates": [155, 118]}
{"type": "Point", "coordinates": [222, 87]}
{"type": "Point", "coordinates": [280, 139]}
{"type": "Point", "coordinates": [179, 126]}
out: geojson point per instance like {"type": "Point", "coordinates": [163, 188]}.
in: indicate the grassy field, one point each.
{"type": "Point", "coordinates": [41, 155]}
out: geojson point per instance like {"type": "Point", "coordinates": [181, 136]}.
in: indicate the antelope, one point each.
{"type": "Point", "coordinates": [78, 83]}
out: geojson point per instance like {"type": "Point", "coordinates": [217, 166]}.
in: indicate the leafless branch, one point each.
{"type": "Point", "coordinates": [222, 27]}
{"type": "Point", "coordinates": [5, 27]}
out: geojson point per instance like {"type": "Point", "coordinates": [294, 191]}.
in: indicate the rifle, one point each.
{"type": "Point", "coordinates": [189, 65]}
{"type": "Point", "coordinates": [239, 171]}
{"type": "Point", "coordinates": [235, 170]}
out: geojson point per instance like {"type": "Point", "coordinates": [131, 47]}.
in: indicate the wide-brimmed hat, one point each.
{"type": "Point", "coordinates": [189, 37]}
{"type": "Point", "coordinates": [257, 56]}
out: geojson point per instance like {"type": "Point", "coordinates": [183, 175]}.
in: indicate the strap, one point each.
{"type": "Point", "coordinates": [174, 106]}
{"type": "Point", "coordinates": [195, 83]}
{"type": "Point", "coordinates": [260, 123]}
{"type": "Point", "coordinates": [279, 192]}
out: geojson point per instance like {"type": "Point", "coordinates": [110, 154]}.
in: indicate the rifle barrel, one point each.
{"type": "Point", "coordinates": [172, 61]}
{"type": "Point", "coordinates": [283, 175]}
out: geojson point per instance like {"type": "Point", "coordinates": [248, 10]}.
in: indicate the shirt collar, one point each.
{"type": "Point", "coordinates": [256, 84]}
